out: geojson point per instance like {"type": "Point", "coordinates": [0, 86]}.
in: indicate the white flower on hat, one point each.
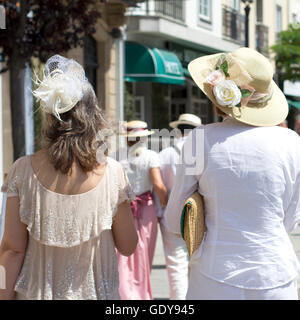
{"type": "Point", "coordinates": [215, 77]}
{"type": "Point", "coordinates": [58, 93]}
{"type": "Point", "coordinates": [227, 93]}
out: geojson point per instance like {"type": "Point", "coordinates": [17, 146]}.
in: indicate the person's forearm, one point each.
{"type": "Point", "coordinates": [162, 194]}
{"type": "Point", "coordinates": [11, 263]}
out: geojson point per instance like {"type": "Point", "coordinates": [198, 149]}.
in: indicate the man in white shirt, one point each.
{"type": "Point", "coordinates": [174, 246]}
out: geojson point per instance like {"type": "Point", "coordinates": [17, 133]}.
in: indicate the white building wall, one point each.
{"type": "Point", "coordinates": [192, 31]}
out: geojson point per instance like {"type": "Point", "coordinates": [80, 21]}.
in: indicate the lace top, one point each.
{"type": "Point", "coordinates": [70, 252]}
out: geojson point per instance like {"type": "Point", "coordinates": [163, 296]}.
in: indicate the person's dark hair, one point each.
{"type": "Point", "coordinates": [131, 142]}
{"type": "Point", "coordinates": [75, 137]}
{"type": "Point", "coordinates": [182, 127]}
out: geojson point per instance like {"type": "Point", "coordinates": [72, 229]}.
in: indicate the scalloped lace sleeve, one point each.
{"type": "Point", "coordinates": [10, 186]}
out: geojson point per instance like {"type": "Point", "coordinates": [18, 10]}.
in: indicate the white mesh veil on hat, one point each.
{"type": "Point", "coordinates": [63, 85]}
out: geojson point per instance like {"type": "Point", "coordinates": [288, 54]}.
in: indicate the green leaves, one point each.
{"type": "Point", "coordinates": [245, 93]}
{"type": "Point", "coordinates": [287, 51]}
{"type": "Point", "coordinates": [224, 68]}
{"type": "Point", "coordinates": [223, 65]}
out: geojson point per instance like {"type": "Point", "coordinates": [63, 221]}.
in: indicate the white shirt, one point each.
{"type": "Point", "coordinates": [137, 167]}
{"type": "Point", "coordinates": [169, 159]}
{"type": "Point", "coordinates": [251, 188]}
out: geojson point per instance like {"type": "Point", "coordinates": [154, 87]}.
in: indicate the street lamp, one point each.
{"type": "Point", "coordinates": [247, 11]}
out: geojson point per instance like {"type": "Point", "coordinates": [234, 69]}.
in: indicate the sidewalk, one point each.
{"type": "Point", "coordinates": [159, 276]}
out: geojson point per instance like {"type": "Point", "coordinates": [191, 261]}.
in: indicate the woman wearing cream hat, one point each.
{"type": "Point", "coordinates": [249, 178]}
{"type": "Point", "coordinates": [143, 170]}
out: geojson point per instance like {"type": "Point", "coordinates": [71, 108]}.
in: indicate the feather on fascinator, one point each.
{"type": "Point", "coordinates": [62, 87]}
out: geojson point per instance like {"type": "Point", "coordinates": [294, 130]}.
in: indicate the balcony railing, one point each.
{"type": "Point", "coordinates": [170, 8]}
{"type": "Point", "coordinates": [173, 9]}
{"type": "Point", "coordinates": [233, 25]}
{"type": "Point", "coordinates": [262, 39]}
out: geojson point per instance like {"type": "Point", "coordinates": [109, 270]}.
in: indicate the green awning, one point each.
{"type": "Point", "coordinates": [186, 72]}
{"type": "Point", "coordinates": [143, 63]}
{"type": "Point", "coordinates": [295, 104]}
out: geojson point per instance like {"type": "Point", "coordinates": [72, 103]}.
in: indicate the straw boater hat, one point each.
{"type": "Point", "coordinates": [137, 128]}
{"type": "Point", "coordinates": [240, 84]}
{"type": "Point", "coordinates": [187, 119]}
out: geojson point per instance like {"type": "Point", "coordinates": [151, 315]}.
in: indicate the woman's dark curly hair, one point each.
{"type": "Point", "coordinates": [75, 137]}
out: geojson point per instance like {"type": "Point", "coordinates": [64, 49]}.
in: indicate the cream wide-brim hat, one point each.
{"type": "Point", "coordinates": [136, 128]}
{"type": "Point", "coordinates": [186, 119]}
{"type": "Point", "coordinates": [246, 67]}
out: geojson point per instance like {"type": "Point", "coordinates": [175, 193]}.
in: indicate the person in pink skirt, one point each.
{"type": "Point", "coordinates": [143, 169]}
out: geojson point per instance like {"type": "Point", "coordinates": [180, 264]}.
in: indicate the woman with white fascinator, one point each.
{"type": "Point", "coordinates": [248, 173]}
{"type": "Point", "coordinates": [66, 211]}
{"type": "Point", "coordinates": [143, 169]}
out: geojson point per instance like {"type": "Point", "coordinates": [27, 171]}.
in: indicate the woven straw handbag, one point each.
{"type": "Point", "coordinates": [193, 222]}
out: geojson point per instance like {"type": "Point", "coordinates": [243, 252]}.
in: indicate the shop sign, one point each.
{"type": "Point", "coordinates": [172, 67]}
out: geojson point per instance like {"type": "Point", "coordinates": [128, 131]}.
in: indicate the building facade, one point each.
{"type": "Point", "coordinates": [187, 29]}
{"type": "Point", "coordinates": [190, 29]}
{"type": "Point", "coordinates": [102, 57]}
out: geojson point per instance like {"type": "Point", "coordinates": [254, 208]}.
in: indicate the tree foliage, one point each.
{"type": "Point", "coordinates": [287, 53]}
{"type": "Point", "coordinates": [39, 28]}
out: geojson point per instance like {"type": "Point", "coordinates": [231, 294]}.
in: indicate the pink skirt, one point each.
{"type": "Point", "coordinates": [134, 271]}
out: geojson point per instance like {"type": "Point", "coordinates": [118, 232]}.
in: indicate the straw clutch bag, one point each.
{"type": "Point", "coordinates": [193, 222]}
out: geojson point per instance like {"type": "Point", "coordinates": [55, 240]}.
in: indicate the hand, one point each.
{"type": "Point", "coordinates": [163, 205]}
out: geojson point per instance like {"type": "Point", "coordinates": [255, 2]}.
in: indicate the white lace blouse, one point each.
{"type": "Point", "coordinates": [70, 252]}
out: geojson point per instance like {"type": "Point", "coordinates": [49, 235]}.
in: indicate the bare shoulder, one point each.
{"type": "Point", "coordinates": [40, 159]}
{"type": "Point", "coordinates": [40, 154]}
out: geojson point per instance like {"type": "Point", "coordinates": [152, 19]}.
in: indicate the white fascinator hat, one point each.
{"type": "Point", "coordinates": [63, 85]}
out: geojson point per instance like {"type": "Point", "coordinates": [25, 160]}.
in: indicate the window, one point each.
{"type": "Point", "coordinates": [205, 10]}
{"type": "Point", "coordinates": [235, 4]}
{"type": "Point", "coordinates": [294, 18]}
{"type": "Point", "coordinates": [134, 106]}
{"type": "Point", "coordinates": [139, 108]}
{"type": "Point", "coordinates": [259, 11]}
{"type": "Point", "coordinates": [278, 18]}
{"type": "Point", "coordinates": [91, 60]}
